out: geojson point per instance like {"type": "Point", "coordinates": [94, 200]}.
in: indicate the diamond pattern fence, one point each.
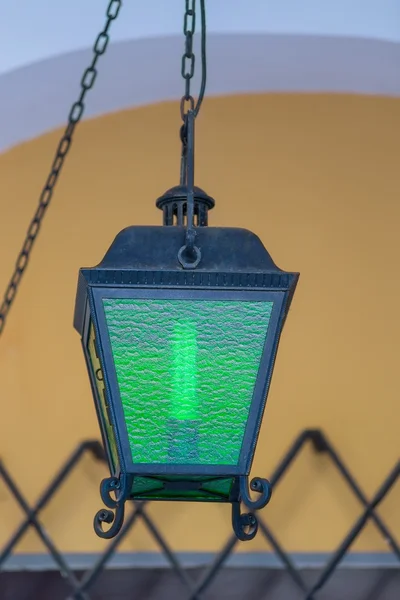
{"type": "Point", "coordinates": [194, 590]}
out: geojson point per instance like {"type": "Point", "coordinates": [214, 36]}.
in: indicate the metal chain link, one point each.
{"type": "Point", "coordinates": [187, 70]}
{"type": "Point", "coordinates": [64, 145]}
{"type": "Point", "coordinates": [188, 58]}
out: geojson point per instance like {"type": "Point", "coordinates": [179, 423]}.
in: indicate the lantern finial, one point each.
{"type": "Point", "coordinates": [174, 206]}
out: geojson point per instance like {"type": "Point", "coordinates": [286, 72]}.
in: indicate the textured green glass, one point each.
{"type": "Point", "coordinates": [186, 371]}
{"type": "Point", "coordinates": [184, 397]}
{"type": "Point", "coordinates": [156, 488]}
{"type": "Point", "coordinates": [98, 378]}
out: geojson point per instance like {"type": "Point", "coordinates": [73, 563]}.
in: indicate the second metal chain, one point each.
{"type": "Point", "coordinates": [64, 145]}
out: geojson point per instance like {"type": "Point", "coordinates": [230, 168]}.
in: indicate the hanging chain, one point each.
{"type": "Point", "coordinates": [188, 58]}
{"type": "Point", "coordinates": [188, 70]}
{"type": "Point", "coordinates": [64, 145]}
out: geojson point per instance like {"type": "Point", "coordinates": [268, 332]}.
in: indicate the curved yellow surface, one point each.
{"type": "Point", "coordinates": [317, 177]}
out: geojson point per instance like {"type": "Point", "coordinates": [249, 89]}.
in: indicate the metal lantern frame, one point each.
{"type": "Point", "coordinates": [234, 266]}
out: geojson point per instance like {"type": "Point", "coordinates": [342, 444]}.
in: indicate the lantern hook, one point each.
{"type": "Point", "coordinates": [259, 485]}
{"type": "Point", "coordinates": [189, 255]}
{"type": "Point", "coordinates": [121, 488]}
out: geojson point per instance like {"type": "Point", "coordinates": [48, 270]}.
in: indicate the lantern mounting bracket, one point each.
{"type": "Point", "coordinates": [189, 255]}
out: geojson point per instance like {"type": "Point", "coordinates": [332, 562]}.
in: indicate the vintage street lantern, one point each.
{"type": "Point", "coordinates": [180, 326]}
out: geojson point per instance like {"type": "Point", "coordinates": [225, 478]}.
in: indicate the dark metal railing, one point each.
{"type": "Point", "coordinates": [194, 590]}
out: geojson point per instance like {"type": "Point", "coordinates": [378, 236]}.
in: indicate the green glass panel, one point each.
{"type": "Point", "coordinates": [186, 371]}
{"type": "Point", "coordinates": [184, 397]}
{"type": "Point", "coordinates": [220, 486]}
{"type": "Point", "coordinates": [98, 377]}
{"type": "Point", "coordinates": [156, 488]}
{"type": "Point", "coordinates": [145, 485]}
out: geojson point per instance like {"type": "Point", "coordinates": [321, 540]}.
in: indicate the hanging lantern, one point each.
{"type": "Point", "coordinates": [180, 327]}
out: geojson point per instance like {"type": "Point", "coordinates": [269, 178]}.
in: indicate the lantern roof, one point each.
{"type": "Point", "coordinates": [144, 256]}
{"type": "Point", "coordinates": [156, 247]}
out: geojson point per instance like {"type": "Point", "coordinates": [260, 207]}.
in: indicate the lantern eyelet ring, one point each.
{"type": "Point", "coordinates": [121, 488]}
{"type": "Point", "coordinates": [189, 257]}
{"type": "Point", "coordinates": [259, 485]}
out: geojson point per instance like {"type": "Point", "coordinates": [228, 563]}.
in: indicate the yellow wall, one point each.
{"type": "Point", "coordinates": [317, 177]}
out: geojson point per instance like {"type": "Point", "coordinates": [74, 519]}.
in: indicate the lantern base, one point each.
{"type": "Point", "coordinates": [200, 488]}
{"type": "Point", "coordinates": [245, 525]}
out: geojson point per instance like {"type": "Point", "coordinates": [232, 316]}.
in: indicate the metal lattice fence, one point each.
{"type": "Point", "coordinates": [80, 588]}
